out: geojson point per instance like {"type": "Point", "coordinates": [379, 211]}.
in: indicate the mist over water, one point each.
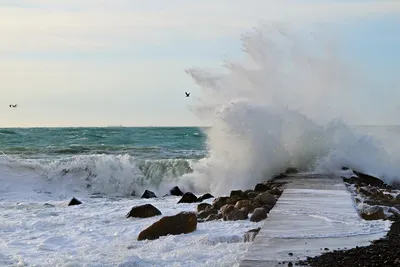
{"type": "Point", "coordinates": [281, 106]}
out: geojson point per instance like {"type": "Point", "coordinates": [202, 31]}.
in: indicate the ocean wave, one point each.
{"type": "Point", "coordinates": [97, 173]}
{"type": "Point", "coordinates": [279, 108]}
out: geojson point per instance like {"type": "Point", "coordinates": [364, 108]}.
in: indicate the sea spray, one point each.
{"type": "Point", "coordinates": [279, 108]}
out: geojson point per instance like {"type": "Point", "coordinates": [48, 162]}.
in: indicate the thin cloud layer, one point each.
{"type": "Point", "coordinates": [43, 25]}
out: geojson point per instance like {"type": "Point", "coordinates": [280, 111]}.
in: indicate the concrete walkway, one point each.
{"type": "Point", "coordinates": [314, 214]}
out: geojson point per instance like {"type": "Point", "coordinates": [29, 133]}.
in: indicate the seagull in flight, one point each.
{"type": "Point", "coordinates": [187, 94]}
{"type": "Point", "coordinates": [13, 106]}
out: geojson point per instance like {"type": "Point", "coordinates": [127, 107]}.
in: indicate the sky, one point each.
{"type": "Point", "coordinates": [122, 62]}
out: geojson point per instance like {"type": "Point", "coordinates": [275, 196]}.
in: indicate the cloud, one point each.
{"type": "Point", "coordinates": [93, 25]}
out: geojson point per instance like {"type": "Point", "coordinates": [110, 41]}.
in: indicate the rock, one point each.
{"type": "Point", "coordinates": [176, 191]}
{"type": "Point", "coordinates": [74, 202]}
{"type": "Point", "coordinates": [236, 215]}
{"type": "Point", "coordinates": [259, 214]}
{"type": "Point", "coordinates": [214, 217]}
{"type": "Point", "coordinates": [148, 194]}
{"type": "Point", "coordinates": [143, 211]}
{"type": "Point", "coordinates": [226, 209]}
{"type": "Point", "coordinates": [245, 204]}
{"type": "Point", "coordinates": [233, 199]}
{"type": "Point", "coordinates": [181, 223]}
{"type": "Point", "coordinates": [238, 193]}
{"type": "Point", "coordinates": [250, 235]}
{"type": "Point", "coordinates": [205, 213]}
{"type": "Point", "coordinates": [373, 213]}
{"type": "Point", "coordinates": [219, 202]}
{"type": "Point", "coordinates": [242, 203]}
{"type": "Point", "coordinates": [370, 180]}
{"type": "Point", "coordinates": [275, 191]}
{"type": "Point", "coordinates": [266, 198]}
{"type": "Point", "coordinates": [188, 197]}
{"type": "Point", "coordinates": [251, 195]}
{"type": "Point", "coordinates": [291, 170]}
{"type": "Point", "coordinates": [48, 205]}
{"type": "Point", "coordinates": [203, 206]}
{"type": "Point", "coordinates": [261, 188]}
{"type": "Point", "coordinates": [204, 197]}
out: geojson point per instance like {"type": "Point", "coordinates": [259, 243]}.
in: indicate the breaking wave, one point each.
{"type": "Point", "coordinates": [282, 106]}
{"type": "Point", "coordinates": [121, 175]}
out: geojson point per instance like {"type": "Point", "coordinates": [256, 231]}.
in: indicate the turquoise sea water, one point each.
{"type": "Point", "coordinates": [113, 160]}
{"type": "Point", "coordinates": [142, 143]}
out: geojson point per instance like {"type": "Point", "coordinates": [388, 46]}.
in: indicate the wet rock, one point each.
{"type": "Point", "coordinates": [176, 191]}
{"type": "Point", "coordinates": [252, 195]}
{"type": "Point", "coordinates": [266, 198]}
{"type": "Point", "coordinates": [238, 193]}
{"type": "Point", "coordinates": [226, 209]}
{"type": "Point", "coordinates": [370, 180]}
{"type": "Point", "coordinates": [204, 197]}
{"type": "Point", "coordinates": [143, 211]}
{"type": "Point", "coordinates": [219, 202]}
{"type": "Point", "coordinates": [291, 170]}
{"type": "Point", "coordinates": [203, 206]}
{"type": "Point", "coordinates": [213, 217]}
{"type": "Point", "coordinates": [236, 215]}
{"type": "Point", "coordinates": [261, 188]}
{"type": "Point", "coordinates": [259, 214]}
{"type": "Point", "coordinates": [275, 191]}
{"type": "Point", "coordinates": [148, 194]}
{"type": "Point", "coordinates": [233, 199]}
{"type": "Point", "coordinates": [74, 201]}
{"type": "Point", "coordinates": [245, 204]}
{"type": "Point", "coordinates": [250, 235]}
{"type": "Point", "coordinates": [181, 223]}
{"type": "Point", "coordinates": [188, 197]}
{"type": "Point", "coordinates": [207, 212]}
{"type": "Point", "coordinates": [373, 213]}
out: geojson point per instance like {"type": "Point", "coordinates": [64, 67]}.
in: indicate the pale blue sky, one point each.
{"type": "Point", "coordinates": [111, 62]}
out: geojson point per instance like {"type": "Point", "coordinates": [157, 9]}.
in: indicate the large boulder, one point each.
{"type": "Point", "coordinates": [266, 198]}
{"type": "Point", "coordinates": [226, 209]}
{"type": "Point", "coordinates": [246, 205]}
{"type": "Point", "coordinates": [259, 214]}
{"type": "Point", "coordinates": [207, 212]}
{"type": "Point", "coordinates": [74, 201]}
{"type": "Point", "coordinates": [176, 191]}
{"type": "Point", "coordinates": [261, 188]}
{"type": "Point", "coordinates": [181, 223]}
{"type": "Point", "coordinates": [148, 194]}
{"type": "Point", "coordinates": [188, 197]}
{"type": "Point", "coordinates": [213, 217]}
{"type": "Point", "coordinates": [204, 197]}
{"type": "Point", "coordinates": [238, 193]}
{"type": "Point", "coordinates": [203, 206]}
{"type": "Point", "coordinates": [219, 202]}
{"type": "Point", "coordinates": [236, 215]}
{"type": "Point", "coordinates": [373, 213]}
{"type": "Point", "coordinates": [143, 211]}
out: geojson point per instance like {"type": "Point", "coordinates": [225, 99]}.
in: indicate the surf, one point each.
{"type": "Point", "coordinates": [279, 107]}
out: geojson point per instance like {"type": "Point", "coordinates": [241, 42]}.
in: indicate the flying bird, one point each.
{"type": "Point", "coordinates": [13, 106]}
{"type": "Point", "coordinates": [187, 94]}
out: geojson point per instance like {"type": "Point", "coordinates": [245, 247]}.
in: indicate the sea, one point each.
{"type": "Point", "coordinates": [107, 169]}
{"type": "Point", "coordinates": [281, 106]}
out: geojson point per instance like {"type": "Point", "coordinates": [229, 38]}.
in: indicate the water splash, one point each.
{"type": "Point", "coordinates": [279, 107]}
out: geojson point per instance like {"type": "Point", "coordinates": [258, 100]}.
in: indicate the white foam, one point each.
{"type": "Point", "coordinates": [97, 233]}
{"type": "Point", "coordinates": [282, 107]}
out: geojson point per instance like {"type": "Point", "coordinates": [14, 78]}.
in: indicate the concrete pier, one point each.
{"type": "Point", "coordinates": [314, 214]}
